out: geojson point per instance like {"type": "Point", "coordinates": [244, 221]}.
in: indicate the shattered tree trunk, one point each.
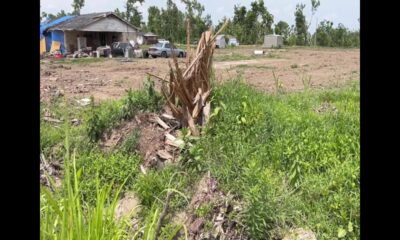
{"type": "Point", "coordinates": [189, 90]}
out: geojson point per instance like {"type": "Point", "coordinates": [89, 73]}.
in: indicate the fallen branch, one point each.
{"type": "Point", "coordinates": [163, 214]}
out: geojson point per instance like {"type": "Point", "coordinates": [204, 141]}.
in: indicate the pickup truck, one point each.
{"type": "Point", "coordinates": [164, 49]}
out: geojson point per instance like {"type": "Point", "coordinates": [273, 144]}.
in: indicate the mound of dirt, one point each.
{"type": "Point", "coordinates": [151, 144]}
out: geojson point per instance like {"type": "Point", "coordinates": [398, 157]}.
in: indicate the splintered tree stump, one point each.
{"type": "Point", "coordinates": [188, 91]}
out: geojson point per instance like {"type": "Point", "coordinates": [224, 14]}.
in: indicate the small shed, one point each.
{"type": "Point", "coordinates": [273, 40]}
{"type": "Point", "coordinates": [150, 38]}
{"type": "Point", "coordinates": [220, 41]}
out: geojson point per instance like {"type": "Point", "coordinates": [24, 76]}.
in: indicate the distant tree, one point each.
{"type": "Point", "coordinates": [119, 13]}
{"type": "Point", "coordinates": [77, 5]}
{"type": "Point", "coordinates": [314, 6]}
{"type": "Point", "coordinates": [324, 33]}
{"type": "Point", "coordinates": [131, 14]}
{"type": "Point", "coordinates": [250, 26]}
{"type": "Point", "coordinates": [198, 24]}
{"type": "Point", "coordinates": [154, 20]}
{"type": "Point", "coordinates": [301, 28]}
{"type": "Point", "coordinates": [282, 28]}
{"type": "Point", "coordinates": [229, 27]}
{"type": "Point", "coordinates": [173, 23]}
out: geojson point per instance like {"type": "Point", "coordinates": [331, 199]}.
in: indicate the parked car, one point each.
{"type": "Point", "coordinates": [119, 48]}
{"type": "Point", "coordinates": [164, 49]}
{"type": "Point", "coordinates": [233, 42]}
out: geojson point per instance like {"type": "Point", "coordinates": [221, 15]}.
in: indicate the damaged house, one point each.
{"type": "Point", "coordinates": [72, 33]}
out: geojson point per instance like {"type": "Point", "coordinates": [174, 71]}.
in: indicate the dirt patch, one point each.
{"type": "Point", "coordinates": [110, 78]}
{"type": "Point", "coordinates": [215, 223]}
{"type": "Point", "coordinates": [127, 206]}
{"type": "Point", "coordinates": [151, 144]}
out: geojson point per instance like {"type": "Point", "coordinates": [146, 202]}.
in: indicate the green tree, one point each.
{"type": "Point", "coordinates": [154, 20]}
{"type": "Point", "coordinates": [250, 26]}
{"type": "Point", "coordinates": [301, 28]}
{"type": "Point", "coordinates": [282, 28]}
{"type": "Point", "coordinates": [77, 6]}
{"type": "Point", "coordinates": [198, 24]}
{"type": "Point", "coordinates": [172, 23]}
{"type": "Point", "coordinates": [131, 14]}
{"type": "Point", "coordinates": [324, 33]}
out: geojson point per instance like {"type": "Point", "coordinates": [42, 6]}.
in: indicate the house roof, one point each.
{"type": "Point", "coordinates": [81, 21]}
{"type": "Point", "coordinates": [46, 25]}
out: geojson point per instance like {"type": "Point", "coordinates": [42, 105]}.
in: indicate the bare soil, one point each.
{"type": "Point", "coordinates": [109, 79]}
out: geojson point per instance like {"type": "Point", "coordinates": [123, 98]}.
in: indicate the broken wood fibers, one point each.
{"type": "Point", "coordinates": [189, 89]}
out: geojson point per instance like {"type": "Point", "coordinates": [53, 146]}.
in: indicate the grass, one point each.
{"type": "Point", "coordinates": [239, 57]}
{"type": "Point", "coordinates": [81, 61]}
{"type": "Point", "coordinates": [255, 66]}
{"type": "Point", "coordinates": [289, 165]}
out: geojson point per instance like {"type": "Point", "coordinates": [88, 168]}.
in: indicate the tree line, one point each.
{"type": "Point", "coordinates": [248, 25]}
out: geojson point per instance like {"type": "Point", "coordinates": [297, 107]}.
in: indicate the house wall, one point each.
{"type": "Point", "coordinates": [93, 39]}
{"type": "Point", "coordinates": [127, 36]}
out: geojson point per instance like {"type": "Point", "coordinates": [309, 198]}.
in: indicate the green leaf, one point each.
{"type": "Point", "coordinates": [341, 233]}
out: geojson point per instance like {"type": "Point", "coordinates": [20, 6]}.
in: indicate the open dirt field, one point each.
{"type": "Point", "coordinates": [109, 78]}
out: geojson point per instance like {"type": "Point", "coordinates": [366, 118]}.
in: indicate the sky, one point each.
{"type": "Point", "coordinates": [346, 12]}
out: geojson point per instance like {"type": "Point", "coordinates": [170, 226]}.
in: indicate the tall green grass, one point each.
{"type": "Point", "coordinates": [64, 214]}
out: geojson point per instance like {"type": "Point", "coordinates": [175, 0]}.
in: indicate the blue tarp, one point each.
{"type": "Point", "coordinates": [46, 25]}
{"type": "Point", "coordinates": [58, 36]}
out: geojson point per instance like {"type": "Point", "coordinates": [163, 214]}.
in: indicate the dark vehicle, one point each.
{"type": "Point", "coordinates": [119, 48]}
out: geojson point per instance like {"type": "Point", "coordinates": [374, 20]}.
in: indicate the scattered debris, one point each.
{"type": "Point", "coordinates": [49, 119]}
{"type": "Point", "coordinates": [75, 122]}
{"type": "Point", "coordinates": [164, 154]}
{"type": "Point", "coordinates": [300, 234]}
{"type": "Point", "coordinates": [143, 169]}
{"type": "Point", "coordinates": [128, 205]}
{"type": "Point", "coordinates": [173, 141]}
{"type": "Point", "coordinates": [160, 122]}
{"type": "Point", "coordinates": [50, 173]}
{"type": "Point", "coordinates": [224, 227]}
{"type": "Point", "coordinates": [84, 101]}
{"type": "Point", "coordinates": [326, 107]}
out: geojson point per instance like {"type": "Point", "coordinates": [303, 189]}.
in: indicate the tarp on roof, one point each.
{"type": "Point", "coordinates": [46, 25]}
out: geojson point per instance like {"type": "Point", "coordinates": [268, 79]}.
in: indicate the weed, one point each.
{"type": "Point", "coordinates": [278, 84]}
{"type": "Point", "coordinates": [203, 210]}
{"type": "Point", "coordinates": [306, 80]}
{"type": "Point", "coordinates": [294, 66]}
{"type": "Point", "coordinates": [131, 142]}
{"type": "Point", "coordinates": [116, 167]}
{"type": "Point", "coordinates": [109, 114]}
